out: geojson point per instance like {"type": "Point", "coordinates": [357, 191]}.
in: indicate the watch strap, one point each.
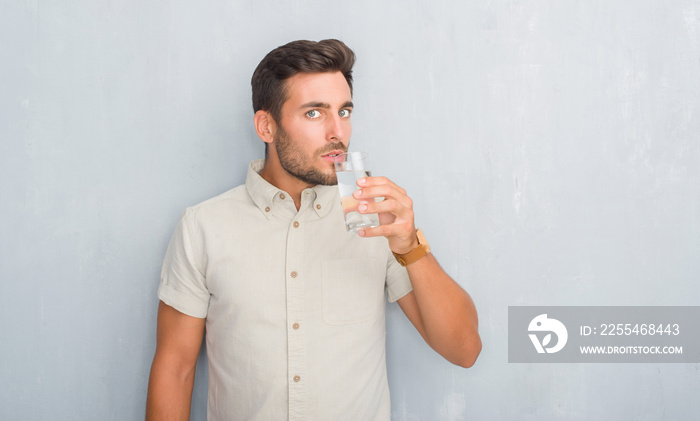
{"type": "Point", "coordinates": [417, 253]}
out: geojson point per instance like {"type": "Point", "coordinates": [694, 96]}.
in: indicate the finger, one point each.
{"type": "Point", "coordinates": [380, 231]}
{"type": "Point", "coordinates": [386, 206]}
{"type": "Point", "coordinates": [385, 217]}
{"type": "Point", "coordinates": [385, 191]}
{"type": "Point", "coordinates": [379, 181]}
{"type": "Point", "coordinates": [400, 235]}
{"type": "Point", "coordinates": [372, 181]}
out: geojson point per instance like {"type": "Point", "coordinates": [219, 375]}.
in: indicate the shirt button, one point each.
{"type": "Point", "coordinates": [318, 206]}
{"type": "Point", "coordinates": [293, 274]}
{"type": "Point", "coordinates": [296, 224]}
{"type": "Point", "coordinates": [295, 326]}
{"type": "Point", "coordinates": [296, 379]}
{"type": "Point", "coordinates": [282, 196]}
{"type": "Point", "coordinates": [267, 209]}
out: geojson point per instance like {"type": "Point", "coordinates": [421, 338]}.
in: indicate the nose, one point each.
{"type": "Point", "coordinates": [337, 128]}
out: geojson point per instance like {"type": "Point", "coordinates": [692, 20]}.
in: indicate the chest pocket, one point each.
{"type": "Point", "coordinates": [353, 290]}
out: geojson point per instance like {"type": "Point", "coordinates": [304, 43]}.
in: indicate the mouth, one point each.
{"type": "Point", "coordinates": [332, 156]}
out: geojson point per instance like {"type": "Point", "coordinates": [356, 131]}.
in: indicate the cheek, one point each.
{"type": "Point", "coordinates": [307, 133]}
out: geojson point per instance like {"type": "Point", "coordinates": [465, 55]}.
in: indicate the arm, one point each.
{"type": "Point", "coordinates": [179, 339]}
{"type": "Point", "coordinates": [442, 312]}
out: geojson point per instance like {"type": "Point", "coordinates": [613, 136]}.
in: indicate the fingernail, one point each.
{"type": "Point", "coordinates": [361, 233]}
{"type": "Point", "coordinates": [362, 207]}
{"type": "Point", "coordinates": [357, 193]}
{"type": "Point", "coordinates": [361, 181]}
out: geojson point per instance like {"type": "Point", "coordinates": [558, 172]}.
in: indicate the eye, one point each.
{"type": "Point", "coordinates": [313, 114]}
{"type": "Point", "coordinates": [345, 113]}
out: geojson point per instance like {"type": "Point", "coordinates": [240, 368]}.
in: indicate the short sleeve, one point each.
{"type": "Point", "coordinates": [182, 280]}
{"type": "Point", "coordinates": [397, 282]}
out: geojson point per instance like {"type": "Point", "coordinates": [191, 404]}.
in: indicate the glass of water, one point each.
{"type": "Point", "coordinates": [350, 167]}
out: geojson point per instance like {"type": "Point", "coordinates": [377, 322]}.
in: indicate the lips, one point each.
{"type": "Point", "coordinates": [332, 155]}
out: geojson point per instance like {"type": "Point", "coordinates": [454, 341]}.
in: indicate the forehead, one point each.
{"type": "Point", "coordinates": [329, 87]}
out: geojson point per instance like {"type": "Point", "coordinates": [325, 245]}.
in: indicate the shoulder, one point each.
{"type": "Point", "coordinates": [237, 193]}
{"type": "Point", "coordinates": [232, 200]}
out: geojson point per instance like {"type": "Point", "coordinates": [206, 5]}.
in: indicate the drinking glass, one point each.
{"type": "Point", "coordinates": [350, 167]}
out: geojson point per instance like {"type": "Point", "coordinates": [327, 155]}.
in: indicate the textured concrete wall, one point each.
{"type": "Point", "coordinates": [551, 148]}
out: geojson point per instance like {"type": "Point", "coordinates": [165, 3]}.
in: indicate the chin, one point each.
{"type": "Point", "coordinates": [329, 177]}
{"type": "Point", "coordinates": [332, 179]}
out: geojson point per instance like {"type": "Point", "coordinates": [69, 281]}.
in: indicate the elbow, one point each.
{"type": "Point", "coordinates": [469, 351]}
{"type": "Point", "coordinates": [460, 347]}
{"type": "Point", "coordinates": [471, 354]}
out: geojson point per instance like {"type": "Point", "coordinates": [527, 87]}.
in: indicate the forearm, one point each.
{"type": "Point", "coordinates": [169, 392]}
{"type": "Point", "coordinates": [446, 312]}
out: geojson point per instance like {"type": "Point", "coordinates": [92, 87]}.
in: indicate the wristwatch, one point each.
{"type": "Point", "coordinates": [421, 250]}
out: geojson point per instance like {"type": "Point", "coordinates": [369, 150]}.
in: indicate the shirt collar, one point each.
{"type": "Point", "coordinates": [266, 196]}
{"type": "Point", "coordinates": [325, 198]}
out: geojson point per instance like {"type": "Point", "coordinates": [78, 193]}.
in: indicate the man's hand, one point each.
{"type": "Point", "coordinates": [395, 212]}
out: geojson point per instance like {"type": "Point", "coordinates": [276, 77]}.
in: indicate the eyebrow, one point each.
{"type": "Point", "coordinates": [312, 104]}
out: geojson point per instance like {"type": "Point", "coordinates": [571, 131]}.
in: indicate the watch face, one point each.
{"type": "Point", "coordinates": [421, 240]}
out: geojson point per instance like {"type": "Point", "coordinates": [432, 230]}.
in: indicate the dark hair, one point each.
{"type": "Point", "coordinates": [268, 82]}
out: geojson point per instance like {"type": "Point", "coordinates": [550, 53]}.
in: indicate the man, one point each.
{"type": "Point", "coordinates": [293, 305]}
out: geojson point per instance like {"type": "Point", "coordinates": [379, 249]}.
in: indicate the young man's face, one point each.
{"type": "Point", "coordinates": [315, 125]}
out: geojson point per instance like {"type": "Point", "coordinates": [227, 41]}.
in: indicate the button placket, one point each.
{"type": "Point", "coordinates": [296, 342]}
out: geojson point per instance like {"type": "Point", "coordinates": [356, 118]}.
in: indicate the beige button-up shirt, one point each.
{"type": "Point", "coordinates": [294, 304]}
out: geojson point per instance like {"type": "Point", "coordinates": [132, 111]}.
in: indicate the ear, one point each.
{"type": "Point", "coordinates": [264, 126]}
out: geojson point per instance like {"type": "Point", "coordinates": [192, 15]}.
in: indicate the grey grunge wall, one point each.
{"type": "Point", "coordinates": [551, 149]}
